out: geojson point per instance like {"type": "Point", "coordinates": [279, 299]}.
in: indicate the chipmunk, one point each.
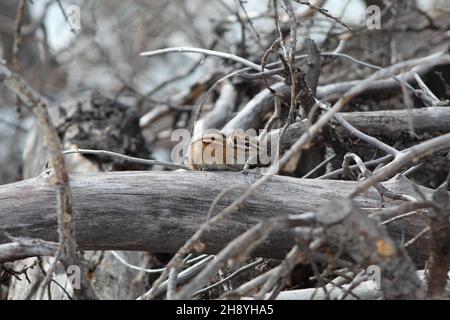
{"type": "Point", "coordinates": [216, 152]}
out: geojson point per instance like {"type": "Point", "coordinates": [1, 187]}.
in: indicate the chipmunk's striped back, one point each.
{"type": "Point", "coordinates": [216, 152]}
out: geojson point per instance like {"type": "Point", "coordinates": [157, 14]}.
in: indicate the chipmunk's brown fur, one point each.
{"type": "Point", "coordinates": [216, 152]}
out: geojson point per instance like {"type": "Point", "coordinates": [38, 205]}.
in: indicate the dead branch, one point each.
{"type": "Point", "coordinates": [404, 157]}
{"type": "Point", "coordinates": [223, 108]}
{"type": "Point", "coordinates": [383, 124]}
{"type": "Point", "coordinates": [22, 248]}
{"type": "Point", "coordinates": [64, 207]}
{"type": "Point", "coordinates": [253, 113]}
{"type": "Point", "coordinates": [224, 55]}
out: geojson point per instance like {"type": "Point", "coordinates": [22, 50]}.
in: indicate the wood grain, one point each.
{"type": "Point", "coordinates": [159, 211]}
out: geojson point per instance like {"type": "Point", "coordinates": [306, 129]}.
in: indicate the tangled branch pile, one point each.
{"type": "Point", "coordinates": [355, 205]}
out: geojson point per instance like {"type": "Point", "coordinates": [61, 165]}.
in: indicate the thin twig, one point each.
{"type": "Point", "coordinates": [229, 277]}
{"type": "Point", "coordinates": [172, 284]}
{"type": "Point", "coordinates": [320, 165]}
{"type": "Point", "coordinates": [404, 157]}
{"type": "Point", "coordinates": [224, 55]}
{"type": "Point", "coordinates": [325, 13]}
{"type": "Point", "coordinates": [18, 33]}
{"type": "Point", "coordinates": [361, 135]}
{"type": "Point", "coordinates": [182, 277]}
{"type": "Point", "coordinates": [131, 266]}
{"type": "Point", "coordinates": [423, 232]}
{"type": "Point", "coordinates": [127, 158]}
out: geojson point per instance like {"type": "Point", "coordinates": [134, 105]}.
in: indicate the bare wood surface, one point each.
{"type": "Point", "coordinates": [158, 211]}
{"type": "Point", "coordinates": [25, 248]}
{"type": "Point", "coordinates": [217, 117]}
{"type": "Point", "coordinates": [389, 122]}
{"type": "Point", "coordinates": [386, 123]}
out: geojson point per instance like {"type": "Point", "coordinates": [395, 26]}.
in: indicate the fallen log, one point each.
{"type": "Point", "coordinates": [159, 211]}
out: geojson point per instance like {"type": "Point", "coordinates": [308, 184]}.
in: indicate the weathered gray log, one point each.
{"type": "Point", "coordinates": [159, 211]}
{"type": "Point", "coordinates": [26, 248]}
{"type": "Point", "coordinates": [386, 123]}
{"type": "Point", "coordinates": [390, 122]}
